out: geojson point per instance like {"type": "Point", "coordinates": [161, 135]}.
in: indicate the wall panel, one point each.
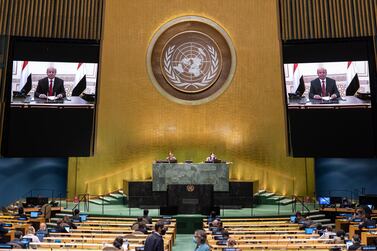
{"type": "Point", "coordinates": [79, 19]}
{"type": "Point", "coordinates": [137, 125]}
{"type": "Point", "coordinates": [327, 18]}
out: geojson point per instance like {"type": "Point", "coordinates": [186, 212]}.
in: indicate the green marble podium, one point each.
{"type": "Point", "coordinates": [216, 174]}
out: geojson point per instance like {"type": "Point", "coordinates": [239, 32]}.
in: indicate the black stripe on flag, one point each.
{"type": "Point", "coordinates": [80, 87]}
{"type": "Point", "coordinates": [353, 86]}
{"type": "Point", "coordinates": [27, 87]}
{"type": "Point", "coordinates": [301, 87]}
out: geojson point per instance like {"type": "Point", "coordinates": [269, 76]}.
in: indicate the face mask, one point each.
{"type": "Point", "coordinates": [194, 240]}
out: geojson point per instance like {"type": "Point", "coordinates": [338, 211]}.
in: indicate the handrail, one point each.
{"type": "Point", "coordinates": [296, 199]}
{"type": "Point", "coordinates": [84, 198]}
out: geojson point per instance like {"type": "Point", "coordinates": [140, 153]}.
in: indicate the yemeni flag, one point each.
{"type": "Point", "coordinates": [352, 79]}
{"type": "Point", "coordinates": [298, 81]}
{"type": "Point", "coordinates": [25, 80]}
{"type": "Point", "coordinates": [80, 80]}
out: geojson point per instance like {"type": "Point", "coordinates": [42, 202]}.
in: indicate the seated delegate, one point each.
{"type": "Point", "coordinates": [50, 85]}
{"type": "Point", "coordinates": [323, 86]}
{"type": "Point", "coordinates": [171, 157]}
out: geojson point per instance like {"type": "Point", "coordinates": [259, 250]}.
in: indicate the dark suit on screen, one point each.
{"type": "Point", "coordinates": [316, 87]}
{"type": "Point", "coordinates": [43, 87]}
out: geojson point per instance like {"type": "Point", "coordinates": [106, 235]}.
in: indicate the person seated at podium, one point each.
{"type": "Point", "coordinates": [171, 157]}
{"type": "Point", "coordinates": [211, 158]}
{"type": "Point", "coordinates": [50, 85]}
{"type": "Point", "coordinates": [323, 86]}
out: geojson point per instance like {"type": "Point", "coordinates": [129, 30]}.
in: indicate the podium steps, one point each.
{"type": "Point", "coordinates": [268, 198]}
{"type": "Point", "coordinates": [114, 198]}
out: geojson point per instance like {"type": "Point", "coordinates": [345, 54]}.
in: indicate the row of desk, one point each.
{"type": "Point", "coordinates": [368, 236]}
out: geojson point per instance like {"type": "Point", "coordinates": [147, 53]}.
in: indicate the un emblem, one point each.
{"type": "Point", "coordinates": [191, 60]}
{"type": "Point", "coordinates": [191, 65]}
{"type": "Point", "coordinates": [190, 188]}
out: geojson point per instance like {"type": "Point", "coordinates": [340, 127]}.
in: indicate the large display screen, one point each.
{"type": "Point", "coordinates": [50, 97]}
{"type": "Point", "coordinates": [77, 78]}
{"type": "Point", "coordinates": [343, 83]}
{"type": "Point", "coordinates": [329, 85]}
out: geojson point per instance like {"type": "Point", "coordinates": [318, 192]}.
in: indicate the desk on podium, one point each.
{"type": "Point", "coordinates": [216, 174]}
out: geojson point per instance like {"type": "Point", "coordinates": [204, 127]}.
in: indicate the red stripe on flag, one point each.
{"type": "Point", "coordinates": [295, 67]}
{"type": "Point", "coordinates": [349, 63]}
{"type": "Point", "coordinates": [24, 65]}
{"type": "Point", "coordinates": [78, 66]}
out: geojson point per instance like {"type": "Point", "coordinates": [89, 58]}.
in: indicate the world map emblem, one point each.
{"type": "Point", "coordinates": [191, 60]}
{"type": "Point", "coordinates": [191, 65]}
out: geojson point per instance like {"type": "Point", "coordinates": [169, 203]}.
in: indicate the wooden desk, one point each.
{"type": "Point", "coordinates": [284, 219]}
{"type": "Point", "coordinates": [368, 238]}
{"type": "Point", "coordinates": [354, 228]}
{"type": "Point", "coordinates": [284, 241]}
{"type": "Point", "coordinates": [296, 246]}
{"type": "Point", "coordinates": [342, 224]}
{"type": "Point", "coordinates": [257, 224]}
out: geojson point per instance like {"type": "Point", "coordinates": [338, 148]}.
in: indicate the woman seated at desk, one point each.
{"type": "Point", "coordinates": [171, 157]}
{"type": "Point", "coordinates": [211, 158]}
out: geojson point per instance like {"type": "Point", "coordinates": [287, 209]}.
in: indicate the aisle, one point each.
{"type": "Point", "coordinates": [183, 242]}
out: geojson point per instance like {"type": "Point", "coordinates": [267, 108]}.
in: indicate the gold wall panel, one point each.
{"type": "Point", "coordinates": [80, 19]}
{"type": "Point", "coordinates": [137, 125]}
{"type": "Point", "coordinates": [305, 19]}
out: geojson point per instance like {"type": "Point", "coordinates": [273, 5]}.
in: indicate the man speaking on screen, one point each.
{"type": "Point", "coordinates": [322, 86]}
{"type": "Point", "coordinates": [50, 85]}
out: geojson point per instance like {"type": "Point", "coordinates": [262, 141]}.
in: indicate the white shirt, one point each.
{"type": "Point", "coordinates": [33, 237]}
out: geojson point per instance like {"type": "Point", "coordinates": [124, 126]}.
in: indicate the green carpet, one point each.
{"type": "Point", "coordinates": [183, 242]}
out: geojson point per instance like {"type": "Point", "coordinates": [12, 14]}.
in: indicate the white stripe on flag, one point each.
{"type": "Point", "coordinates": [296, 77]}
{"type": "Point", "coordinates": [80, 73]}
{"type": "Point", "coordinates": [25, 72]}
{"type": "Point", "coordinates": [351, 72]}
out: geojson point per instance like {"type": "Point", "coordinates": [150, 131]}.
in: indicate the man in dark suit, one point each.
{"type": "Point", "coordinates": [155, 242]}
{"type": "Point", "coordinates": [322, 86]}
{"type": "Point", "coordinates": [50, 85]}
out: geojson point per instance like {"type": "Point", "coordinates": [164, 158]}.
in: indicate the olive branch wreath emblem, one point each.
{"type": "Point", "coordinates": [177, 81]}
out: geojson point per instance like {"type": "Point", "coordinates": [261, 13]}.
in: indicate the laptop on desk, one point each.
{"type": "Point", "coordinates": [34, 215]}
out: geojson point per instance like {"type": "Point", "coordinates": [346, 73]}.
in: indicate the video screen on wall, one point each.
{"type": "Point", "coordinates": [329, 85]}
{"type": "Point", "coordinates": [342, 83]}
{"type": "Point", "coordinates": [50, 102]}
{"type": "Point", "coordinates": [30, 79]}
